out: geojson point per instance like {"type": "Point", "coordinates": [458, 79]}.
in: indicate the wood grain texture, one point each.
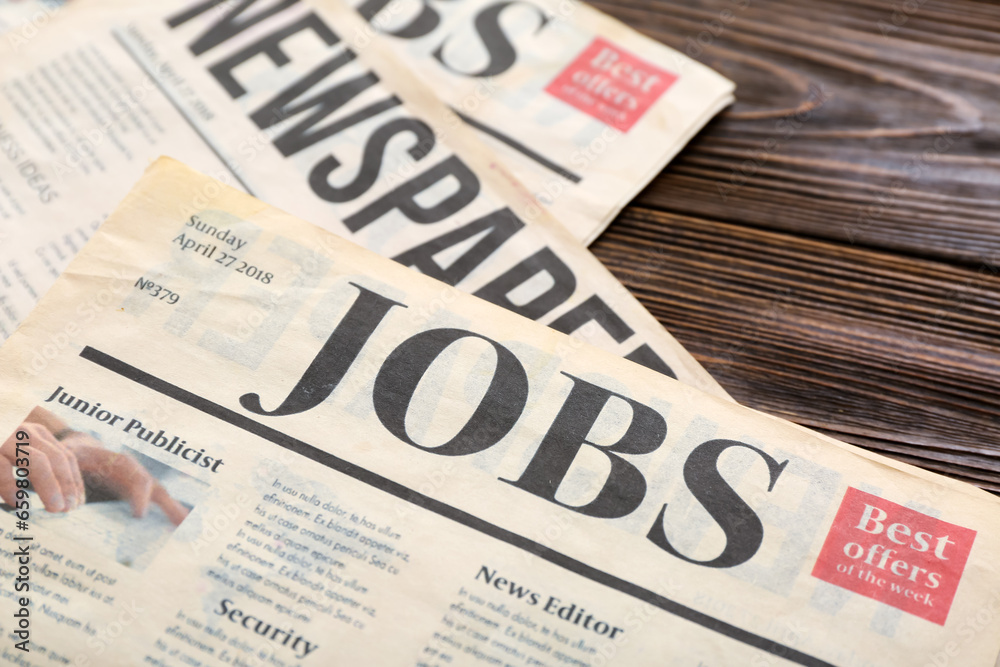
{"type": "Point", "coordinates": [830, 246]}
{"type": "Point", "coordinates": [858, 122]}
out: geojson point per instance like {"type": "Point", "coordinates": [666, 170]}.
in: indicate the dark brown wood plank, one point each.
{"type": "Point", "coordinates": [857, 122]}
{"type": "Point", "coordinates": [893, 353]}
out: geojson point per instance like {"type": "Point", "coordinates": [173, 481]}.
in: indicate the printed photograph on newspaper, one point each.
{"type": "Point", "coordinates": [20, 20]}
{"type": "Point", "coordinates": [253, 442]}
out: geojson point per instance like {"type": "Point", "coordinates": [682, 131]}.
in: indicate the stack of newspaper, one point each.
{"type": "Point", "coordinates": [240, 438]}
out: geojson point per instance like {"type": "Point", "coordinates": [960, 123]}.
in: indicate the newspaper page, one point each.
{"type": "Point", "coordinates": [383, 479]}
{"type": "Point", "coordinates": [272, 98]}
{"type": "Point", "coordinates": [22, 19]}
{"type": "Point", "coordinates": [584, 110]}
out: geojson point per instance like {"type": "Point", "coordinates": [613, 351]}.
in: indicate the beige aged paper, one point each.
{"type": "Point", "coordinates": [274, 98]}
{"type": "Point", "coordinates": [20, 20]}
{"type": "Point", "coordinates": [381, 477]}
{"type": "Point", "coordinates": [584, 110]}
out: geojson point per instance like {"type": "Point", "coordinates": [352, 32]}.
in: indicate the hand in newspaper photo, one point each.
{"type": "Point", "coordinates": [65, 463]}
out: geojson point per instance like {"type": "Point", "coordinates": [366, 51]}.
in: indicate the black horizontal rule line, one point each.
{"type": "Point", "coordinates": [442, 509]}
{"type": "Point", "coordinates": [519, 147]}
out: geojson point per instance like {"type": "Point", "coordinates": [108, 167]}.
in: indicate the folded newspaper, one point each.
{"type": "Point", "coordinates": [296, 104]}
{"type": "Point", "coordinates": [584, 110]}
{"type": "Point", "coordinates": [251, 442]}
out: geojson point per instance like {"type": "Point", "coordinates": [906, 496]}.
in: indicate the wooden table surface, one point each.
{"type": "Point", "coordinates": [829, 247]}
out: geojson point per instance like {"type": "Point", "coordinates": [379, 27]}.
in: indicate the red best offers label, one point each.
{"type": "Point", "coordinates": [895, 555]}
{"type": "Point", "coordinates": [611, 84]}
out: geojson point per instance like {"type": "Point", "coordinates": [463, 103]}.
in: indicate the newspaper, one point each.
{"type": "Point", "coordinates": [381, 480]}
{"type": "Point", "coordinates": [271, 98]}
{"type": "Point", "coordinates": [584, 110]}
